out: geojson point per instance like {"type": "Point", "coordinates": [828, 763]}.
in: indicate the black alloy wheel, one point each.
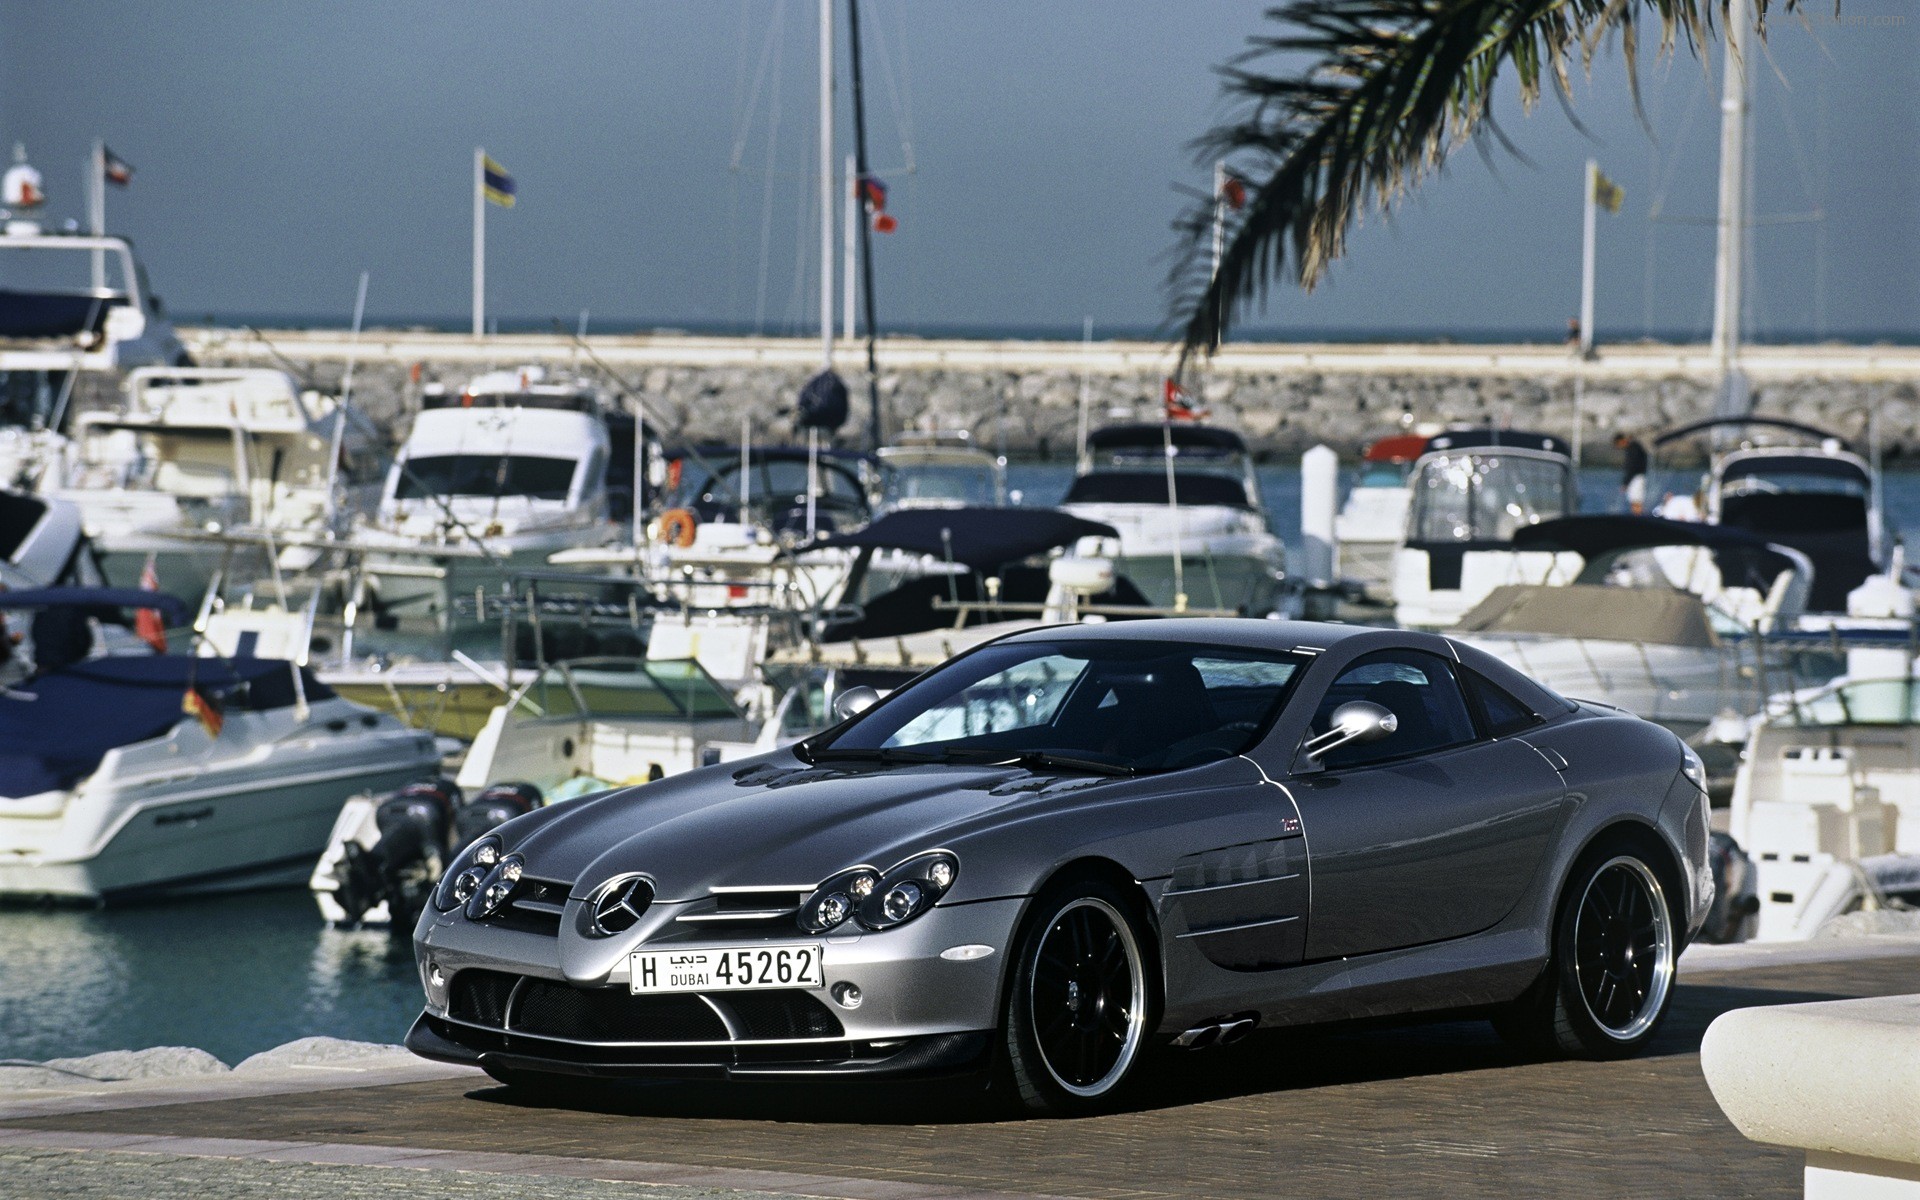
{"type": "Point", "coordinates": [1610, 979]}
{"type": "Point", "coordinates": [1080, 1009]}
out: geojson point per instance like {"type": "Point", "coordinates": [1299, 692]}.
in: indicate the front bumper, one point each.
{"type": "Point", "coordinates": [936, 1054]}
{"type": "Point", "coordinates": [514, 999]}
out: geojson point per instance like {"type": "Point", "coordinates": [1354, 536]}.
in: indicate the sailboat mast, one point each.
{"type": "Point", "coordinates": [876, 431]}
{"type": "Point", "coordinates": [1730, 250]}
{"type": "Point", "coordinates": [826, 185]}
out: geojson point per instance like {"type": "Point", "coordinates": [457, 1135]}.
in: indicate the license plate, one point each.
{"type": "Point", "coordinates": [728, 970]}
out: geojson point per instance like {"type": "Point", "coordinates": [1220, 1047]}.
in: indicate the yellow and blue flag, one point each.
{"type": "Point", "coordinates": [495, 183]}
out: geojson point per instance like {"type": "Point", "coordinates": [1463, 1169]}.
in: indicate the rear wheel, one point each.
{"type": "Point", "coordinates": [1610, 979]}
{"type": "Point", "coordinates": [1080, 1007]}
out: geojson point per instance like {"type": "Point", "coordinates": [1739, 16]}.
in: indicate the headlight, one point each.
{"type": "Point", "coordinates": [1693, 768]}
{"type": "Point", "coordinates": [880, 900]}
{"type": "Point", "coordinates": [470, 868]}
{"type": "Point", "coordinates": [496, 887]}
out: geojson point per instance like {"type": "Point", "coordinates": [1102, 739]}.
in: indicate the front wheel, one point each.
{"type": "Point", "coordinates": [1081, 1002]}
{"type": "Point", "coordinates": [1610, 980]}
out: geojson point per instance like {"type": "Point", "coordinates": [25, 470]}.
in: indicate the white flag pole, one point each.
{"type": "Point", "coordinates": [848, 263]}
{"type": "Point", "coordinates": [97, 209]}
{"type": "Point", "coordinates": [479, 242]}
{"type": "Point", "coordinates": [1589, 220]}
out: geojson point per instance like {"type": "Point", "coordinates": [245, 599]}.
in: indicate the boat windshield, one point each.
{"type": "Point", "coordinates": [942, 483]}
{"type": "Point", "coordinates": [1484, 496]}
{"type": "Point", "coordinates": [1864, 702]}
{"type": "Point", "coordinates": [532, 476]}
{"type": "Point", "coordinates": [1150, 487]}
{"type": "Point", "coordinates": [1104, 707]}
{"type": "Point", "coordinates": [630, 687]}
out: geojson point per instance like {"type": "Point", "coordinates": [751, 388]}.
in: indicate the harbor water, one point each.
{"type": "Point", "coordinates": [235, 975]}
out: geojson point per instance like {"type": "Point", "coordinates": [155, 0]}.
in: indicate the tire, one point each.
{"type": "Point", "coordinates": [1081, 1003]}
{"type": "Point", "coordinates": [1609, 979]}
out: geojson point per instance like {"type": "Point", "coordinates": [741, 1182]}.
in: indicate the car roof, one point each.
{"type": "Point", "coordinates": [1250, 632]}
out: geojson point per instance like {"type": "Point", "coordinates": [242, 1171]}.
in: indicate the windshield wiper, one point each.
{"type": "Point", "coordinates": [972, 754]}
{"type": "Point", "coordinates": [884, 754]}
{"type": "Point", "coordinates": [1066, 762]}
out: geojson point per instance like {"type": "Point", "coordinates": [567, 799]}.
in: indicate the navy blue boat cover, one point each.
{"type": "Point", "coordinates": [171, 608]}
{"type": "Point", "coordinates": [977, 538]}
{"type": "Point", "coordinates": [55, 728]}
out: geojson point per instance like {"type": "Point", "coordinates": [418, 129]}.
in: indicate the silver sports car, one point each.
{"type": "Point", "coordinates": [1071, 845]}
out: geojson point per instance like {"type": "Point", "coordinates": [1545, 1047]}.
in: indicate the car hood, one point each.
{"type": "Point", "coordinates": [771, 823]}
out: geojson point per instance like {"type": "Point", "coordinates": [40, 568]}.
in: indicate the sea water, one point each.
{"type": "Point", "coordinates": [238, 974]}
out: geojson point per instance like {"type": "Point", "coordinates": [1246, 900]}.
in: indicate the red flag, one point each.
{"type": "Point", "coordinates": [205, 709]}
{"type": "Point", "coordinates": [1179, 405]}
{"type": "Point", "coordinates": [884, 223]}
{"type": "Point", "coordinates": [116, 170]}
{"type": "Point", "coordinates": [1233, 190]}
{"type": "Point", "coordinates": [147, 623]}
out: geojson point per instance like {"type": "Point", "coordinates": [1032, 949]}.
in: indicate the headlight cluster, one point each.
{"type": "Point", "coordinates": [1692, 767]}
{"type": "Point", "coordinates": [481, 878]}
{"type": "Point", "coordinates": [880, 899]}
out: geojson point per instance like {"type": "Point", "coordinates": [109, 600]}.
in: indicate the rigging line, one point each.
{"type": "Point", "coordinates": [773, 143]}
{"type": "Point", "coordinates": [902, 120]}
{"type": "Point", "coordinates": [743, 117]}
{"type": "Point", "coordinates": [806, 217]}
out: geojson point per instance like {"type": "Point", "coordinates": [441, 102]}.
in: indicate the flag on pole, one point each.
{"type": "Point", "coordinates": [1178, 404]}
{"type": "Point", "coordinates": [148, 625]}
{"type": "Point", "coordinates": [116, 170]}
{"type": "Point", "coordinates": [1607, 194]}
{"type": "Point", "coordinates": [203, 708]}
{"type": "Point", "coordinates": [1233, 190]}
{"type": "Point", "coordinates": [873, 194]}
{"type": "Point", "coordinates": [495, 183]}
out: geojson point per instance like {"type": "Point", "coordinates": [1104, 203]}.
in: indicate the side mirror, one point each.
{"type": "Point", "coordinates": [858, 699]}
{"type": "Point", "coordinates": [1354, 721]}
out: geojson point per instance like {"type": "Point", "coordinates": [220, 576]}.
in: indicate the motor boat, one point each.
{"type": "Point", "coordinates": [75, 315]}
{"type": "Point", "coordinates": [43, 543]}
{"type": "Point", "coordinates": [1677, 622]}
{"type": "Point", "coordinates": [213, 774]}
{"type": "Point", "coordinates": [1472, 490]}
{"type": "Point", "coordinates": [195, 451]}
{"type": "Point", "coordinates": [491, 481]}
{"type": "Point", "coordinates": [940, 469]}
{"type": "Point", "coordinates": [1186, 504]}
{"type": "Point", "coordinates": [1826, 804]}
{"type": "Point", "coordinates": [1799, 486]}
{"type": "Point", "coordinates": [1372, 523]}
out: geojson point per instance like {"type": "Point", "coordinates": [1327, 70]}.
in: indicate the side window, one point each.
{"type": "Point", "coordinates": [1501, 714]}
{"type": "Point", "coordinates": [1418, 688]}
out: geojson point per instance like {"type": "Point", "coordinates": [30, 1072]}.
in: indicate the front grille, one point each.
{"type": "Point", "coordinates": [743, 911]}
{"type": "Point", "coordinates": [781, 1014]}
{"type": "Point", "coordinates": [545, 1009]}
{"type": "Point", "coordinates": [480, 997]}
{"type": "Point", "coordinates": [542, 1008]}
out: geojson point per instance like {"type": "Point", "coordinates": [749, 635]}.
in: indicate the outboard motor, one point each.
{"type": "Point", "coordinates": [492, 808]}
{"type": "Point", "coordinates": [1735, 901]}
{"type": "Point", "coordinates": [403, 867]}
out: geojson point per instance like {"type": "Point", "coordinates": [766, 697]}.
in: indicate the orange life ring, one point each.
{"type": "Point", "coordinates": [677, 526]}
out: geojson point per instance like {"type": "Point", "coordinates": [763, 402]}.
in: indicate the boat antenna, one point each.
{"type": "Point", "coordinates": [876, 430]}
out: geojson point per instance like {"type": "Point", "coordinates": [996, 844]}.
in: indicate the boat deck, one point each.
{"type": "Point", "coordinates": [1433, 1110]}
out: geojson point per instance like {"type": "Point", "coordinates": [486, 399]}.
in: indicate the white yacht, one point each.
{"type": "Point", "coordinates": [75, 314]}
{"type": "Point", "coordinates": [200, 450]}
{"type": "Point", "coordinates": [939, 469]}
{"type": "Point", "coordinates": [492, 480]}
{"type": "Point", "coordinates": [1372, 522]}
{"type": "Point", "coordinates": [1472, 489]}
{"type": "Point", "coordinates": [1192, 529]}
{"type": "Point", "coordinates": [213, 774]}
{"type": "Point", "coordinates": [1826, 803]}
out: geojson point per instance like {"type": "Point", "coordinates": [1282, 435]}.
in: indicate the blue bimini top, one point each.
{"type": "Point", "coordinates": [55, 728]}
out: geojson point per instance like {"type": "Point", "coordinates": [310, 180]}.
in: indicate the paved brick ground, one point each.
{"type": "Point", "coordinates": [1434, 1110]}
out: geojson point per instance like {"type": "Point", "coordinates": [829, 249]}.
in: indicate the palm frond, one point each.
{"type": "Point", "coordinates": [1389, 89]}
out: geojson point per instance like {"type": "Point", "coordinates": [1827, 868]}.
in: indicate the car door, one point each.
{"type": "Point", "coordinates": [1431, 833]}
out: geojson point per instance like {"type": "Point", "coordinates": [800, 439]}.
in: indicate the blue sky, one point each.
{"type": "Point", "coordinates": [663, 150]}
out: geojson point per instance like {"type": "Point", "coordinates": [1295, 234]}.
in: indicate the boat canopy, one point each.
{"type": "Point", "coordinates": [1661, 616]}
{"type": "Point", "coordinates": [1186, 438]}
{"type": "Point", "coordinates": [51, 731]}
{"type": "Point", "coordinates": [1150, 487]}
{"type": "Point", "coordinates": [1743, 558]}
{"type": "Point", "coordinates": [1503, 439]}
{"type": "Point", "coordinates": [171, 608]}
{"type": "Point", "coordinates": [979, 539]}
{"type": "Point", "coordinates": [53, 314]}
{"type": "Point", "coordinates": [1780, 423]}
{"type": "Point", "coordinates": [1399, 448]}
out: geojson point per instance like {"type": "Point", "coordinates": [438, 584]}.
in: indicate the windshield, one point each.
{"type": "Point", "coordinates": [486, 475]}
{"type": "Point", "coordinates": [1485, 496]}
{"type": "Point", "coordinates": [966, 484]}
{"type": "Point", "coordinates": [1119, 706]}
